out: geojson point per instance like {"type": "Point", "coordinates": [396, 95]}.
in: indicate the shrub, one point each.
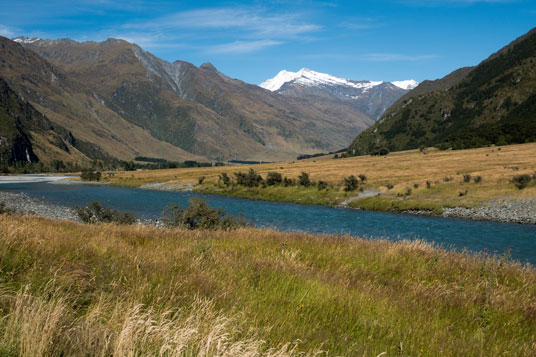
{"type": "Point", "coordinates": [304, 180]}
{"type": "Point", "coordinates": [362, 177]}
{"type": "Point", "coordinates": [464, 193]}
{"type": "Point", "coordinates": [288, 182]}
{"type": "Point", "coordinates": [467, 178]}
{"type": "Point", "coordinates": [477, 179]}
{"type": "Point", "coordinates": [428, 184]}
{"type": "Point", "coordinates": [521, 181]}
{"type": "Point", "coordinates": [201, 179]}
{"type": "Point", "coordinates": [389, 186]}
{"type": "Point", "coordinates": [251, 179]}
{"type": "Point", "coordinates": [199, 215]}
{"type": "Point", "coordinates": [447, 178]}
{"type": "Point", "coordinates": [351, 183]}
{"type": "Point", "coordinates": [274, 178]}
{"type": "Point", "coordinates": [225, 179]}
{"type": "Point", "coordinates": [416, 185]}
{"type": "Point", "coordinates": [94, 212]}
{"type": "Point", "coordinates": [322, 185]}
{"type": "Point", "coordinates": [90, 175]}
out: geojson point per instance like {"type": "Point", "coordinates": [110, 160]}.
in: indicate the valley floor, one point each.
{"type": "Point", "coordinates": [76, 290]}
{"type": "Point", "coordinates": [474, 183]}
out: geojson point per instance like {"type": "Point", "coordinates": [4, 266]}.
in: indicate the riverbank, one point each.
{"type": "Point", "coordinates": [465, 183]}
{"type": "Point", "coordinates": [22, 203]}
{"type": "Point", "coordinates": [74, 289]}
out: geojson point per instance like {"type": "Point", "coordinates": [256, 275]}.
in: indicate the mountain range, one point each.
{"type": "Point", "coordinates": [492, 103]}
{"type": "Point", "coordinates": [369, 97]}
{"type": "Point", "coordinates": [125, 102]}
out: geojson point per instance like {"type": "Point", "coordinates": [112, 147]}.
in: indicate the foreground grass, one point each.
{"type": "Point", "coordinates": [443, 170]}
{"type": "Point", "coordinates": [71, 289]}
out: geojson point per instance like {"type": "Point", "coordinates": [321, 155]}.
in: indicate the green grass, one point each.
{"type": "Point", "coordinates": [72, 289]}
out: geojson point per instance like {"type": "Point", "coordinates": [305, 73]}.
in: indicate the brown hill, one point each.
{"type": "Point", "coordinates": [68, 103]}
{"type": "Point", "coordinates": [200, 109]}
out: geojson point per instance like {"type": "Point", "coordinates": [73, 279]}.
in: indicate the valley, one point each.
{"type": "Point", "coordinates": [428, 181]}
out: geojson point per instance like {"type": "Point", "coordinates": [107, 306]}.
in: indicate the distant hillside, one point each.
{"type": "Point", "coordinates": [68, 103]}
{"type": "Point", "coordinates": [493, 103]}
{"type": "Point", "coordinates": [199, 110]}
{"type": "Point", "coordinates": [26, 135]}
{"type": "Point", "coordinates": [369, 97]}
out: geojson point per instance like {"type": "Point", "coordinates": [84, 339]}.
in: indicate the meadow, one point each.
{"type": "Point", "coordinates": [425, 180]}
{"type": "Point", "coordinates": [69, 289]}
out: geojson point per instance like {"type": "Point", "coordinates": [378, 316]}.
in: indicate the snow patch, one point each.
{"type": "Point", "coordinates": [309, 78]}
{"type": "Point", "coordinates": [407, 85]}
{"type": "Point", "coordinates": [23, 39]}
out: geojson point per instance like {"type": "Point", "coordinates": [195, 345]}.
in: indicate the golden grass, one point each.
{"type": "Point", "coordinates": [77, 290]}
{"type": "Point", "coordinates": [496, 166]}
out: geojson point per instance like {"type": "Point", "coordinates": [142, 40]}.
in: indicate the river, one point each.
{"type": "Point", "coordinates": [449, 233]}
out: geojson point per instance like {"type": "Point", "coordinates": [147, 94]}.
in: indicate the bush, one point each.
{"type": "Point", "coordinates": [94, 212]}
{"type": "Point", "coordinates": [274, 178]}
{"type": "Point", "coordinates": [288, 182]}
{"type": "Point", "coordinates": [416, 185]}
{"type": "Point", "coordinates": [521, 181]}
{"type": "Point", "coordinates": [351, 183]}
{"type": "Point", "coordinates": [362, 177]}
{"type": "Point", "coordinates": [322, 185]}
{"type": "Point", "coordinates": [477, 179]}
{"type": "Point", "coordinates": [464, 193]}
{"type": "Point", "coordinates": [389, 186]}
{"type": "Point", "coordinates": [304, 180]}
{"type": "Point", "coordinates": [90, 175]}
{"type": "Point", "coordinates": [251, 179]}
{"type": "Point", "coordinates": [200, 179]}
{"type": "Point", "coordinates": [225, 179]}
{"type": "Point", "coordinates": [447, 178]}
{"type": "Point", "coordinates": [428, 184]}
{"type": "Point", "coordinates": [467, 178]}
{"type": "Point", "coordinates": [199, 215]}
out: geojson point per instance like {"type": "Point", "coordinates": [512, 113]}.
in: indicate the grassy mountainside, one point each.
{"type": "Point", "coordinates": [26, 135]}
{"type": "Point", "coordinates": [494, 103]}
{"type": "Point", "coordinates": [68, 103]}
{"type": "Point", "coordinates": [393, 176]}
{"type": "Point", "coordinates": [77, 290]}
{"type": "Point", "coordinates": [200, 109]}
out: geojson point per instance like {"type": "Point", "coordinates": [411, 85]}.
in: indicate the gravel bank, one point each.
{"type": "Point", "coordinates": [520, 211]}
{"type": "Point", "coordinates": [21, 202]}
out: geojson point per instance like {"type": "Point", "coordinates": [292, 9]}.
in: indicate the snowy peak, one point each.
{"type": "Point", "coordinates": [407, 85]}
{"type": "Point", "coordinates": [22, 39]}
{"type": "Point", "coordinates": [309, 78]}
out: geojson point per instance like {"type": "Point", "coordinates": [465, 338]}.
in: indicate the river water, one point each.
{"type": "Point", "coordinates": [450, 233]}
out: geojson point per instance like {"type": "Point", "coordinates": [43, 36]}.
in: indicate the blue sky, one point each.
{"type": "Point", "coordinates": [254, 40]}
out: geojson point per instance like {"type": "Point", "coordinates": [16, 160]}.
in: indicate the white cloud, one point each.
{"type": "Point", "coordinates": [254, 22]}
{"type": "Point", "coordinates": [239, 47]}
{"type": "Point", "coordinates": [6, 31]}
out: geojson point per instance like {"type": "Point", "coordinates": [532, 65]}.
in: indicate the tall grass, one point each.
{"type": "Point", "coordinates": [81, 290]}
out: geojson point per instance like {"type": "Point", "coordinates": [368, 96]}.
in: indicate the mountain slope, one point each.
{"type": "Point", "coordinates": [371, 98]}
{"type": "Point", "coordinates": [493, 103]}
{"type": "Point", "coordinates": [200, 109]}
{"type": "Point", "coordinates": [100, 132]}
{"type": "Point", "coordinates": [26, 135]}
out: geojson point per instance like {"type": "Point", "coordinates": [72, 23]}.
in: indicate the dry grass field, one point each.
{"type": "Point", "coordinates": [68, 289]}
{"type": "Point", "coordinates": [443, 170]}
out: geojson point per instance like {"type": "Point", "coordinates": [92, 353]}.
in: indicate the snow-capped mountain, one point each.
{"type": "Point", "coordinates": [408, 85]}
{"type": "Point", "coordinates": [22, 39]}
{"type": "Point", "coordinates": [370, 97]}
